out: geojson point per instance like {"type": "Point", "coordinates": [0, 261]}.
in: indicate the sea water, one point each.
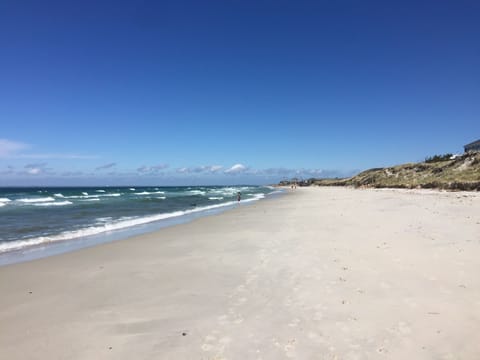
{"type": "Point", "coordinates": [39, 218]}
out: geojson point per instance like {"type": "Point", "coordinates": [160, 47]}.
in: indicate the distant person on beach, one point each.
{"type": "Point", "coordinates": [239, 196]}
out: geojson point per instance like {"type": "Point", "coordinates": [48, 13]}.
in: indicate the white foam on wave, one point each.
{"type": "Point", "coordinates": [36, 200]}
{"type": "Point", "coordinates": [197, 192]}
{"type": "Point", "coordinates": [60, 195]}
{"type": "Point", "coordinates": [92, 196]}
{"type": "Point", "coordinates": [85, 193]}
{"type": "Point", "coordinates": [258, 196]}
{"type": "Point", "coordinates": [161, 197]}
{"type": "Point", "coordinates": [100, 191]}
{"type": "Point", "coordinates": [81, 196]}
{"type": "Point", "coordinates": [149, 193]}
{"type": "Point", "coordinates": [132, 189]}
{"type": "Point", "coordinates": [4, 200]}
{"type": "Point", "coordinates": [227, 191]}
{"type": "Point", "coordinates": [56, 203]}
{"type": "Point", "coordinates": [112, 226]}
{"type": "Point", "coordinates": [93, 199]}
{"type": "Point", "coordinates": [216, 198]}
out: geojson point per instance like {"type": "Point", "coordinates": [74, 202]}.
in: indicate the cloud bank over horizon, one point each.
{"type": "Point", "coordinates": [14, 170]}
{"type": "Point", "coordinates": [42, 175]}
{"type": "Point", "coordinates": [68, 169]}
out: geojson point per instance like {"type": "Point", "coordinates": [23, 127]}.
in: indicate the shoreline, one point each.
{"type": "Point", "coordinates": [319, 272]}
{"type": "Point", "coordinates": [61, 246]}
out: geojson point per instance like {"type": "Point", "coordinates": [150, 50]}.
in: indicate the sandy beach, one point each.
{"type": "Point", "coordinates": [319, 273]}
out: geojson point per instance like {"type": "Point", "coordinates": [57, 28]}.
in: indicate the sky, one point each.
{"type": "Point", "coordinates": [231, 92]}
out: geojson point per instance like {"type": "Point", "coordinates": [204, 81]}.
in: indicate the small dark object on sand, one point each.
{"type": "Point", "coordinates": [184, 334]}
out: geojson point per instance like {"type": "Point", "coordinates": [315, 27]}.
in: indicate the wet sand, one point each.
{"type": "Point", "coordinates": [320, 273]}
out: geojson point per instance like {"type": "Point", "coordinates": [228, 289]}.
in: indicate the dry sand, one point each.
{"type": "Point", "coordinates": [321, 273]}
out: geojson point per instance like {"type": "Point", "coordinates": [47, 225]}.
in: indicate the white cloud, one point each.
{"type": "Point", "coordinates": [159, 167]}
{"type": "Point", "coordinates": [9, 148]}
{"type": "Point", "coordinates": [215, 168]}
{"type": "Point", "coordinates": [34, 171]}
{"type": "Point", "coordinates": [191, 170]}
{"type": "Point", "coordinates": [236, 169]}
{"type": "Point", "coordinates": [207, 169]}
{"type": "Point", "coordinates": [183, 170]}
{"type": "Point", "coordinates": [37, 169]}
{"type": "Point", "coordinates": [106, 166]}
{"type": "Point", "coordinates": [151, 169]}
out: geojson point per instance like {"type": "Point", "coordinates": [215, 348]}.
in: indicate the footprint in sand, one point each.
{"type": "Point", "coordinates": [318, 316]}
{"type": "Point", "coordinates": [207, 347]}
{"type": "Point", "coordinates": [238, 320]}
{"type": "Point", "coordinates": [401, 328]}
{"type": "Point", "coordinates": [218, 347]}
{"type": "Point", "coordinates": [240, 288]}
{"type": "Point", "coordinates": [223, 319]}
{"type": "Point", "coordinates": [241, 301]}
{"type": "Point", "coordinates": [410, 302]}
{"type": "Point", "coordinates": [294, 322]}
{"type": "Point", "coordinates": [290, 348]}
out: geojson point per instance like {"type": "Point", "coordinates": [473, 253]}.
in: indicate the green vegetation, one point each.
{"type": "Point", "coordinates": [438, 158]}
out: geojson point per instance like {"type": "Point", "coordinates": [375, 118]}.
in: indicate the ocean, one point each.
{"type": "Point", "coordinates": [38, 218]}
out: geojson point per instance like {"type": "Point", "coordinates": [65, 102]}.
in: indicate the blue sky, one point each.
{"type": "Point", "coordinates": [221, 92]}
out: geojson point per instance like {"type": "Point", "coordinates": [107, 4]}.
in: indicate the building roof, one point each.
{"type": "Point", "coordinates": [473, 143]}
